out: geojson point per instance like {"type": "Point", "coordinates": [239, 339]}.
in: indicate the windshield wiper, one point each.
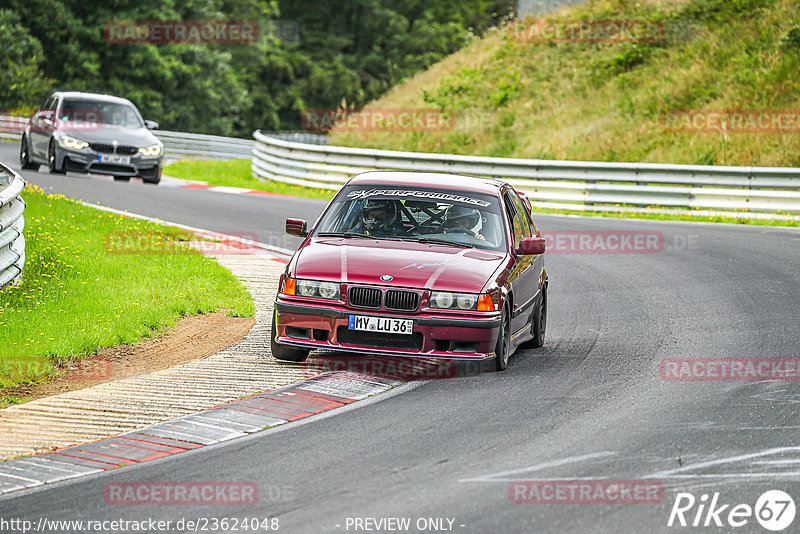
{"type": "Point", "coordinates": [443, 242]}
{"type": "Point", "coordinates": [342, 234]}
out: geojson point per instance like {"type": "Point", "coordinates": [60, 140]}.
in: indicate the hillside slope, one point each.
{"type": "Point", "coordinates": [511, 95]}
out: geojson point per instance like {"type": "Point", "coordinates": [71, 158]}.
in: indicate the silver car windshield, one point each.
{"type": "Point", "coordinates": [106, 113]}
{"type": "Point", "coordinates": [449, 217]}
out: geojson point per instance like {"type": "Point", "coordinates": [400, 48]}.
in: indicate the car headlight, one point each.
{"type": "Point", "coordinates": [70, 142]}
{"type": "Point", "coordinates": [315, 289]}
{"type": "Point", "coordinates": [152, 150]}
{"type": "Point", "coordinates": [446, 300]}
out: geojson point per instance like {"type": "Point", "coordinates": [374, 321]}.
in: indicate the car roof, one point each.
{"type": "Point", "coordinates": [92, 96]}
{"type": "Point", "coordinates": [429, 179]}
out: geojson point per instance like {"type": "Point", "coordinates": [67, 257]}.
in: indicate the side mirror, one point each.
{"type": "Point", "coordinates": [531, 245]}
{"type": "Point", "coordinates": [151, 125]}
{"type": "Point", "coordinates": [296, 227]}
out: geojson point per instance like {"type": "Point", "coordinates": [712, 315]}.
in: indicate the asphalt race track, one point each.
{"type": "Point", "coordinates": [591, 404]}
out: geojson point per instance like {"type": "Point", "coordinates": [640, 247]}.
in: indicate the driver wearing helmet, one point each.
{"type": "Point", "coordinates": [463, 220]}
{"type": "Point", "coordinates": [378, 218]}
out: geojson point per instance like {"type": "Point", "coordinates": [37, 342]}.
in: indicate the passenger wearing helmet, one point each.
{"type": "Point", "coordinates": [463, 220]}
{"type": "Point", "coordinates": [378, 218]}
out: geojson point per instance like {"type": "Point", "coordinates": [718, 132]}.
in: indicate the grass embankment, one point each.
{"type": "Point", "coordinates": [607, 102]}
{"type": "Point", "coordinates": [95, 279]}
{"type": "Point", "coordinates": [237, 173]}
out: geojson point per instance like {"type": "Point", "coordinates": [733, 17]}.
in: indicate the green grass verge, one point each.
{"type": "Point", "coordinates": [237, 173]}
{"type": "Point", "coordinates": [95, 279]}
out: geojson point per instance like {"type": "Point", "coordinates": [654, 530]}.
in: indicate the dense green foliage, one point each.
{"type": "Point", "coordinates": [346, 51]}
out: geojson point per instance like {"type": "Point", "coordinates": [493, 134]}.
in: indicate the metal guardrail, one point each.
{"type": "Point", "coordinates": [182, 144]}
{"type": "Point", "coordinates": [12, 223]}
{"type": "Point", "coordinates": [203, 146]}
{"type": "Point", "coordinates": [549, 183]}
{"type": "Point", "coordinates": [11, 127]}
{"type": "Point", "coordinates": [218, 147]}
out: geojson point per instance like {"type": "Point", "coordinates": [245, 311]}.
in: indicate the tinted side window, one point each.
{"type": "Point", "coordinates": [522, 212]}
{"type": "Point", "coordinates": [516, 221]}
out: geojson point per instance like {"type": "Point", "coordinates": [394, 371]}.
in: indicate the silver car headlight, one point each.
{"type": "Point", "coordinates": [446, 300]}
{"type": "Point", "coordinates": [315, 289]}
{"type": "Point", "coordinates": [70, 142]}
{"type": "Point", "coordinates": [152, 150]}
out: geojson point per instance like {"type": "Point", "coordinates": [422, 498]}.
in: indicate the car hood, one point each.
{"type": "Point", "coordinates": [108, 134]}
{"type": "Point", "coordinates": [410, 264]}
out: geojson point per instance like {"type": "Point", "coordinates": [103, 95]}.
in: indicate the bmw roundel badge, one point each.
{"type": "Point", "coordinates": [387, 278]}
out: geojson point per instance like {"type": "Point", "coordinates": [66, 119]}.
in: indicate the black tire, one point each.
{"type": "Point", "coordinates": [539, 327]}
{"type": "Point", "coordinates": [25, 162]}
{"type": "Point", "coordinates": [502, 349]}
{"type": "Point", "coordinates": [51, 160]}
{"type": "Point", "coordinates": [122, 178]}
{"type": "Point", "coordinates": [284, 352]}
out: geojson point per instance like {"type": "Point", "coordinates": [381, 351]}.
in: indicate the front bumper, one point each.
{"type": "Point", "coordinates": [314, 326]}
{"type": "Point", "coordinates": [87, 160]}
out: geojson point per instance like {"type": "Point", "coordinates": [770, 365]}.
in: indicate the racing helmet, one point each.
{"type": "Point", "coordinates": [368, 218]}
{"type": "Point", "coordinates": [455, 215]}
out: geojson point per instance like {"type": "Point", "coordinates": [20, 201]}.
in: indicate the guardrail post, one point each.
{"type": "Point", "coordinates": [12, 224]}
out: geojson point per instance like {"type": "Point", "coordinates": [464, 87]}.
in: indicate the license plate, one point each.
{"type": "Point", "coordinates": [113, 158]}
{"type": "Point", "coordinates": [381, 324]}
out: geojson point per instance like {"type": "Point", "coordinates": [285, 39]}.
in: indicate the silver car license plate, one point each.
{"type": "Point", "coordinates": [114, 158]}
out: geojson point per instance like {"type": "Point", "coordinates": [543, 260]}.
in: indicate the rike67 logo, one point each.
{"type": "Point", "coordinates": [774, 510]}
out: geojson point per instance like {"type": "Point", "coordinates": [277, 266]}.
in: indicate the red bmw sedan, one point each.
{"type": "Point", "coordinates": [415, 264]}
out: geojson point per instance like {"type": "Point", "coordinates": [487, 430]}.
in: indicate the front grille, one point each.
{"type": "Point", "coordinates": [365, 297]}
{"type": "Point", "coordinates": [109, 149]}
{"type": "Point", "coordinates": [401, 300]}
{"type": "Point", "coordinates": [102, 147]}
{"type": "Point", "coordinates": [379, 340]}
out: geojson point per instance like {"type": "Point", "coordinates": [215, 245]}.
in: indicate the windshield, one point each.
{"type": "Point", "coordinates": [413, 214]}
{"type": "Point", "coordinates": [107, 113]}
